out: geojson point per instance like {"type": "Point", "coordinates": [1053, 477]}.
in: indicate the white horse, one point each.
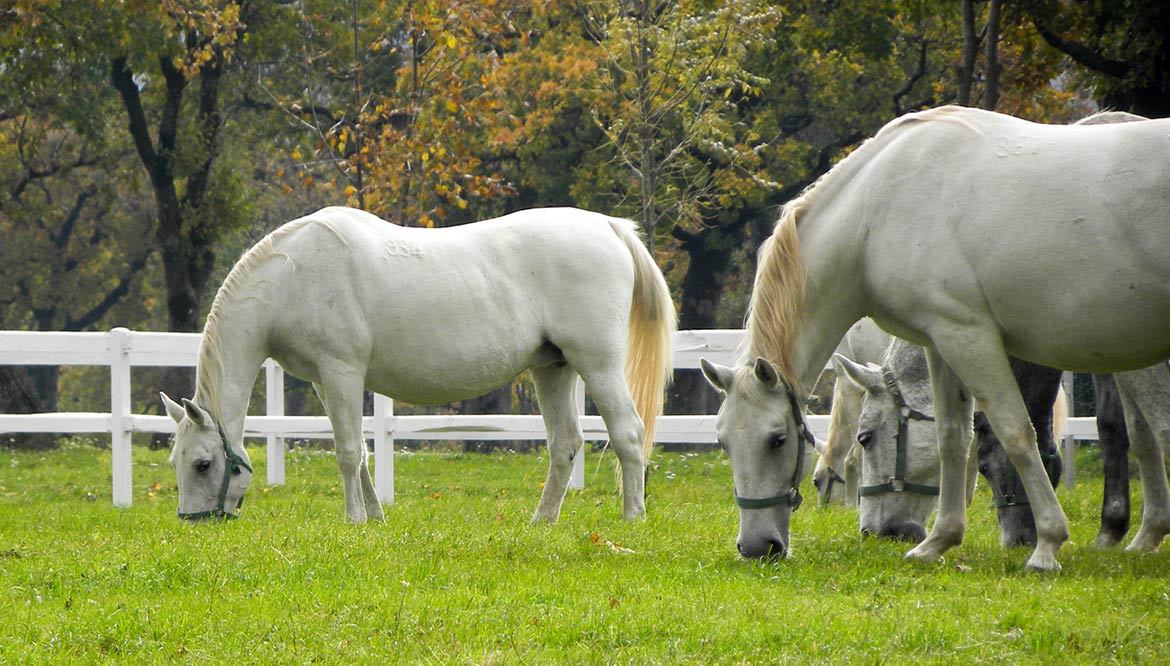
{"type": "Point", "coordinates": [899, 445]}
{"type": "Point", "coordinates": [975, 235]}
{"type": "Point", "coordinates": [350, 302]}
{"type": "Point", "coordinates": [898, 486]}
{"type": "Point", "coordinates": [838, 465]}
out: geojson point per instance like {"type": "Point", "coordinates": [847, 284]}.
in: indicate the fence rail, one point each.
{"type": "Point", "coordinates": [121, 349]}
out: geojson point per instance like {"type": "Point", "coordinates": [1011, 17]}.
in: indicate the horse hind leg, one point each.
{"type": "Point", "coordinates": [556, 394]}
{"type": "Point", "coordinates": [1143, 397]}
{"type": "Point", "coordinates": [341, 393]}
{"type": "Point", "coordinates": [613, 400]}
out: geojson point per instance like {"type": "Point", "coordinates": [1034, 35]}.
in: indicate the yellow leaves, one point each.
{"type": "Point", "coordinates": [350, 190]}
{"type": "Point", "coordinates": [598, 541]}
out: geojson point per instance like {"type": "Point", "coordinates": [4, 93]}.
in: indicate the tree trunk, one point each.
{"type": "Point", "coordinates": [991, 56]}
{"type": "Point", "coordinates": [966, 70]}
{"type": "Point", "coordinates": [18, 395]}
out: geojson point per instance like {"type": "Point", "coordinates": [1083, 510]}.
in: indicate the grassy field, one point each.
{"type": "Point", "coordinates": [455, 575]}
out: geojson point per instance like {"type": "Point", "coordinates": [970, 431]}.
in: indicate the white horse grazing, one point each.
{"type": "Point", "coordinates": [975, 235]}
{"type": "Point", "coordinates": [898, 488]}
{"type": "Point", "coordinates": [350, 302]}
{"type": "Point", "coordinates": [838, 465]}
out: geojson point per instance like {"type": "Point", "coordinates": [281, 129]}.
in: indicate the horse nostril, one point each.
{"type": "Point", "coordinates": [767, 549]}
{"type": "Point", "coordinates": [776, 549]}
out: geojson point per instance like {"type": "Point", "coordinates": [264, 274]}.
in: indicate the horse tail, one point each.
{"type": "Point", "coordinates": [1060, 415]}
{"type": "Point", "coordinates": [652, 325]}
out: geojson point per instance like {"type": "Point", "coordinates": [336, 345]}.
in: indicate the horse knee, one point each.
{"type": "Point", "coordinates": [349, 461]}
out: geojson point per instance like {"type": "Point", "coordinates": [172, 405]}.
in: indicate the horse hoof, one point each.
{"type": "Point", "coordinates": [1106, 540]}
{"type": "Point", "coordinates": [924, 555]}
{"type": "Point", "coordinates": [1042, 564]}
{"type": "Point", "coordinates": [1144, 542]}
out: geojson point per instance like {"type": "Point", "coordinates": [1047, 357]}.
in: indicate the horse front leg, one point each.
{"type": "Point", "coordinates": [556, 394]}
{"type": "Point", "coordinates": [953, 413]}
{"type": "Point", "coordinates": [1147, 419]}
{"type": "Point", "coordinates": [342, 395]}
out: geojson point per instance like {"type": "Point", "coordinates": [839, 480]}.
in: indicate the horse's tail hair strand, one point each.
{"type": "Point", "coordinates": [649, 362]}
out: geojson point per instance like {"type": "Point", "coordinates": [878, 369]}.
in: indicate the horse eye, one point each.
{"type": "Point", "coordinates": [778, 441]}
{"type": "Point", "coordinates": [202, 466]}
{"type": "Point", "coordinates": [865, 438]}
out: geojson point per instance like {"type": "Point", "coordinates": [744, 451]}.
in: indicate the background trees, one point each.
{"type": "Point", "coordinates": [146, 144]}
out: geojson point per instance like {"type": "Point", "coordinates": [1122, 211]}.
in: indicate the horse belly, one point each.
{"type": "Point", "coordinates": [1100, 308]}
{"type": "Point", "coordinates": [1078, 277]}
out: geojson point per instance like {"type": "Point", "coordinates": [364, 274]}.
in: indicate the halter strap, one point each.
{"type": "Point", "coordinates": [233, 462]}
{"type": "Point", "coordinates": [793, 497]}
{"type": "Point", "coordinates": [833, 477]}
{"type": "Point", "coordinates": [898, 482]}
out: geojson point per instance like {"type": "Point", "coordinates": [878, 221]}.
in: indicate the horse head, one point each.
{"type": "Point", "coordinates": [762, 429]}
{"type": "Point", "coordinates": [212, 477]}
{"type": "Point", "coordinates": [899, 456]}
{"type": "Point", "coordinates": [1017, 526]}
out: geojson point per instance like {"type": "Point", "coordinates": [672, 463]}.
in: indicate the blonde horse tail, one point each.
{"type": "Point", "coordinates": [1060, 416]}
{"type": "Point", "coordinates": [652, 325]}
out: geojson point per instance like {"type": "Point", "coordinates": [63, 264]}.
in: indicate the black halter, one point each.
{"type": "Point", "coordinates": [833, 477]}
{"type": "Point", "coordinates": [793, 497]}
{"type": "Point", "coordinates": [898, 482]}
{"type": "Point", "coordinates": [232, 464]}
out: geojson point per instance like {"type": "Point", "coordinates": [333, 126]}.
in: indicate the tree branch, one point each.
{"type": "Point", "coordinates": [122, 78]}
{"type": "Point", "coordinates": [1080, 53]}
{"type": "Point", "coordinates": [111, 299]}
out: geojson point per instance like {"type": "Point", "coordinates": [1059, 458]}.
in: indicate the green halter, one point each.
{"type": "Point", "coordinates": [233, 462]}
{"type": "Point", "coordinates": [898, 482]}
{"type": "Point", "coordinates": [791, 498]}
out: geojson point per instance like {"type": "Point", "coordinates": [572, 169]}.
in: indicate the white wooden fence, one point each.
{"type": "Point", "coordinates": [121, 349]}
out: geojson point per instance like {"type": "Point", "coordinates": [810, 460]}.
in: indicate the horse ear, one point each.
{"type": "Point", "coordinates": [721, 377]}
{"type": "Point", "coordinates": [197, 414]}
{"type": "Point", "coordinates": [767, 373]}
{"type": "Point", "coordinates": [867, 377]}
{"type": "Point", "coordinates": [174, 409]}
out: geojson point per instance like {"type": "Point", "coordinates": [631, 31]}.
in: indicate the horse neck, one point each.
{"type": "Point", "coordinates": [832, 301]}
{"type": "Point", "coordinates": [230, 357]}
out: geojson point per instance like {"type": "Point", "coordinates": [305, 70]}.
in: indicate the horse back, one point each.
{"type": "Point", "coordinates": [419, 305]}
{"type": "Point", "coordinates": [1058, 235]}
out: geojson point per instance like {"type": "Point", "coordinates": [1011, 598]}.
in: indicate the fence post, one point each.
{"type": "Point", "coordinates": [1069, 459]}
{"type": "Point", "coordinates": [119, 347]}
{"type": "Point", "coordinates": [577, 476]}
{"type": "Point", "coordinates": [274, 396]}
{"type": "Point", "coordinates": [383, 448]}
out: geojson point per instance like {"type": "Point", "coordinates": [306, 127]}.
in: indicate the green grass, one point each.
{"type": "Point", "coordinates": [455, 575]}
